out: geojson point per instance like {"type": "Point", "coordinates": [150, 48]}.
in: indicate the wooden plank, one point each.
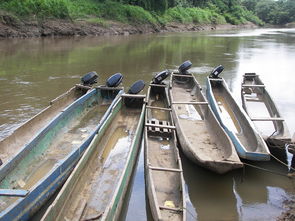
{"type": "Point", "coordinates": [267, 119]}
{"type": "Point", "coordinates": [160, 126]}
{"type": "Point", "coordinates": [158, 108]}
{"type": "Point", "coordinates": [83, 87]}
{"type": "Point", "coordinates": [253, 85]}
{"type": "Point", "coordinates": [215, 79]}
{"type": "Point", "coordinates": [254, 99]}
{"type": "Point", "coordinates": [183, 75]}
{"type": "Point", "coordinates": [169, 208]}
{"type": "Point", "coordinates": [110, 88]}
{"type": "Point", "coordinates": [191, 102]}
{"type": "Point", "coordinates": [250, 75]}
{"type": "Point", "coordinates": [13, 192]}
{"type": "Point", "coordinates": [158, 85]}
{"type": "Point", "coordinates": [133, 95]}
{"type": "Point", "coordinates": [165, 169]}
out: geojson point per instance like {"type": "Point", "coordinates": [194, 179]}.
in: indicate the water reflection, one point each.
{"type": "Point", "coordinates": [34, 71]}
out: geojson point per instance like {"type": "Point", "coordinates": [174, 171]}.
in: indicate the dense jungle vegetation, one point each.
{"type": "Point", "coordinates": [156, 11]}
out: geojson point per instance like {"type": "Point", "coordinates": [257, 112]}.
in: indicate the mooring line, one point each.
{"type": "Point", "coordinates": [277, 159]}
{"type": "Point", "coordinates": [269, 171]}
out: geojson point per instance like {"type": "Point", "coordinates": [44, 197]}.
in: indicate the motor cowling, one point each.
{"type": "Point", "coordinates": [160, 77]}
{"type": "Point", "coordinates": [184, 67]}
{"type": "Point", "coordinates": [115, 80]}
{"type": "Point", "coordinates": [136, 87]}
{"type": "Point", "coordinates": [216, 71]}
{"type": "Point", "coordinates": [89, 78]}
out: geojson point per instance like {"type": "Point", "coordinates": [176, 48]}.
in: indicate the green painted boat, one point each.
{"type": "Point", "coordinates": [41, 166]}
{"type": "Point", "coordinates": [97, 186]}
{"type": "Point", "coordinates": [12, 144]}
{"type": "Point", "coordinates": [163, 168]}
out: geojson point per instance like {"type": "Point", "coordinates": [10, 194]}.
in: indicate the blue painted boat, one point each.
{"type": "Point", "coordinates": [41, 166]}
{"type": "Point", "coordinates": [248, 143]}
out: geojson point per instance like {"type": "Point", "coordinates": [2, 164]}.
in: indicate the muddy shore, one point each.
{"type": "Point", "coordinates": [12, 27]}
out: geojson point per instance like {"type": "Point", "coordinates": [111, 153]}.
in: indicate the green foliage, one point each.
{"type": "Point", "coordinates": [125, 13]}
{"type": "Point", "coordinates": [158, 11]}
{"type": "Point", "coordinates": [38, 8]}
{"type": "Point", "coordinates": [273, 12]}
{"type": "Point", "coordinates": [195, 15]}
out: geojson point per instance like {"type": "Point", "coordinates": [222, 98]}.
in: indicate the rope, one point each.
{"type": "Point", "coordinates": [269, 171]}
{"type": "Point", "coordinates": [282, 162]}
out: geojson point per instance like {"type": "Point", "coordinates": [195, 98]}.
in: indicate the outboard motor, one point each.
{"type": "Point", "coordinates": [216, 71]}
{"type": "Point", "coordinates": [137, 87]}
{"type": "Point", "coordinates": [183, 68]}
{"type": "Point", "coordinates": [160, 77]}
{"type": "Point", "coordinates": [115, 80]}
{"type": "Point", "coordinates": [89, 79]}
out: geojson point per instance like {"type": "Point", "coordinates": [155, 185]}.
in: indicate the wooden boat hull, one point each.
{"type": "Point", "coordinates": [81, 194]}
{"type": "Point", "coordinates": [37, 169]}
{"type": "Point", "coordinates": [253, 91]}
{"type": "Point", "coordinates": [202, 138]}
{"type": "Point", "coordinates": [163, 168]}
{"type": "Point", "coordinates": [10, 145]}
{"type": "Point", "coordinates": [248, 143]}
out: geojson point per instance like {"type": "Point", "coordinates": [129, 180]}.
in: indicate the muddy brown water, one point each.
{"type": "Point", "coordinates": [35, 71]}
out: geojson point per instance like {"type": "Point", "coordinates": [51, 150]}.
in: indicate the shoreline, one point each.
{"type": "Point", "coordinates": [11, 27]}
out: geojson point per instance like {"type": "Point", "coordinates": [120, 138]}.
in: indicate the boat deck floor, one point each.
{"type": "Point", "coordinates": [98, 180]}
{"type": "Point", "coordinates": [40, 161]}
{"type": "Point", "coordinates": [195, 128]}
{"type": "Point", "coordinates": [257, 107]}
{"type": "Point", "coordinates": [229, 116]}
{"type": "Point", "coordinates": [162, 154]}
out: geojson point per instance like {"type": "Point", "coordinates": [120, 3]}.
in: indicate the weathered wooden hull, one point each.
{"type": "Point", "coordinates": [163, 168]}
{"type": "Point", "coordinates": [10, 145]}
{"type": "Point", "coordinates": [42, 165]}
{"type": "Point", "coordinates": [202, 138]}
{"type": "Point", "coordinates": [80, 197]}
{"type": "Point", "coordinates": [248, 143]}
{"type": "Point", "coordinates": [253, 91]}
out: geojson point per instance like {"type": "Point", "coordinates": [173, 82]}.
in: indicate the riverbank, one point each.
{"type": "Point", "coordinates": [11, 27]}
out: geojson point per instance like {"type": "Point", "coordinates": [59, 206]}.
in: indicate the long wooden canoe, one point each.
{"type": "Point", "coordinates": [262, 110]}
{"type": "Point", "coordinates": [249, 144]}
{"type": "Point", "coordinates": [96, 187]}
{"type": "Point", "coordinates": [163, 168]}
{"type": "Point", "coordinates": [202, 138]}
{"type": "Point", "coordinates": [41, 166]}
{"type": "Point", "coordinates": [10, 145]}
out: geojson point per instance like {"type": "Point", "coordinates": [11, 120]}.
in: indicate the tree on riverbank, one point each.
{"type": "Point", "coordinates": [156, 12]}
{"type": "Point", "coordinates": [272, 12]}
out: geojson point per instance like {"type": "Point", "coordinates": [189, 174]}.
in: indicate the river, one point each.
{"type": "Point", "coordinates": [35, 71]}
